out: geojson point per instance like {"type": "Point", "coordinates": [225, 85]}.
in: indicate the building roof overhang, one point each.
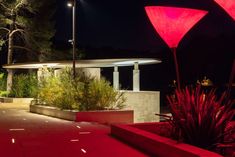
{"type": "Point", "coordinates": [91, 63]}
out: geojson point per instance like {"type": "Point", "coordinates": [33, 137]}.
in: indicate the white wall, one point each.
{"type": "Point", "coordinates": [94, 72]}
{"type": "Point", "coordinates": [145, 105]}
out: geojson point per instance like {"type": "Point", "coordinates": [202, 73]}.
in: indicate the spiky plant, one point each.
{"type": "Point", "coordinates": [202, 119]}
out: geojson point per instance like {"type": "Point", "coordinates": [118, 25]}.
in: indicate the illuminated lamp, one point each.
{"type": "Point", "coordinates": [172, 23]}
{"type": "Point", "coordinates": [229, 7]}
{"type": "Point", "coordinates": [70, 3]}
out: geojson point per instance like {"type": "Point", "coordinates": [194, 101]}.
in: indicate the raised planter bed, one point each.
{"type": "Point", "coordinates": [103, 117]}
{"type": "Point", "coordinates": [15, 100]}
{"type": "Point", "coordinates": [144, 137]}
{"type": "Point", "coordinates": [53, 112]}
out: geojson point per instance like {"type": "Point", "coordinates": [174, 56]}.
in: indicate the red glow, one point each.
{"type": "Point", "coordinates": [173, 23]}
{"type": "Point", "coordinates": [228, 6]}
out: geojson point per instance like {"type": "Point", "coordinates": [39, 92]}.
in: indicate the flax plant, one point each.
{"type": "Point", "coordinates": [202, 119]}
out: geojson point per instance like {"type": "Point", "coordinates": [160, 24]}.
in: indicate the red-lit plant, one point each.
{"type": "Point", "coordinates": [202, 119]}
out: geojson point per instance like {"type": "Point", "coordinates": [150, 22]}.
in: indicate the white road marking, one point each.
{"type": "Point", "coordinates": [84, 133]}
{"type": "Point", "coordinates": [74, 140]}
{"type": "Point", "coordinates": [17, 129]}
{"type": "Point", "coordinates": [83, 150]}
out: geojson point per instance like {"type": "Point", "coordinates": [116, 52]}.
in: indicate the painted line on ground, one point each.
{"type": "Point", "coordinates": [83, 150]}
{"type": "Point", "coordinates": [84, 133]}
{"type": "Point", "coordinates": [74, 140]}
{"type": "Point", "coordinates": [13, 140]}
{"type": "Point", "coordinates": [17, 129]}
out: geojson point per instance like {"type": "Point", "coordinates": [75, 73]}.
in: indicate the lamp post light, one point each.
{"type": "Point", "coordinates": [72, 3]}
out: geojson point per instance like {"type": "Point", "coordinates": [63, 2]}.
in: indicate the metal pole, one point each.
{"type": "Point", "coordinates": [231, 78]}
{"type": "Point", "coordinates": [176, 68]}
{"type": "Point", "coordinates": [74, 39]}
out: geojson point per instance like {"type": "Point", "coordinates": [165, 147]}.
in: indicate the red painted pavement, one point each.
{"type": "Point", "coordinates": [23, 134]}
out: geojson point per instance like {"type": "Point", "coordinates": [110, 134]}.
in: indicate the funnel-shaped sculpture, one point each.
{"type": "Point", "coordinates": [228, 6]}
{"type": "Point", "coordinates": [172, 24]}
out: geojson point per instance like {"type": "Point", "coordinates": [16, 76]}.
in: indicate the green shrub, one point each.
{"type": "Point", "coordinates": [63, 91]}
{"type": "Point", "coordinates": [2, 82]}
{"type": "Point", "coordinates": [49, 90]}
{"type": "Point", "coordinates": [100, 95]}
{"type": "Point", "coordinates": [4, 93]}
{"type": "Point", "coordinates": [82, 93]}
{"type": "Point", "coordinates": [24, 85]}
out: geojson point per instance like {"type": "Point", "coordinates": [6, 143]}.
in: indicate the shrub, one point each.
{"type": "Point", "coordinates": [101, 95]}
{"type": "Point", "coordinates": [24, 85]}
{"type": "Point", "coordinates": [2, 82]}
{"type": "Point", "coordinates": [82, 93]}
{"type": "Point", "coordinates": [62, 91]}
{"type": "Point", "coordinates": [4, 93]}
{"type": "Point", "coordinates": [49, 90]}
{"type": "Point", "coordinates": [201, 119]}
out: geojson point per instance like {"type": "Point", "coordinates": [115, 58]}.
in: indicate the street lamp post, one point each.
{"type": "Point", "coordinates": [72, 3]}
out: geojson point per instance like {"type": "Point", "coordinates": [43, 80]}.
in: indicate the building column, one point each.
{"type": "Point", "coordinates": [39, 74]}
{"type": "Point", "coordinates": [116, 78]}
{"type": "Point", "coordinates": [136, 77]}
{"type": "Point", "coordinates": [43, 73]}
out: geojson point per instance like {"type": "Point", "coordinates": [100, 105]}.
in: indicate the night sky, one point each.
{"type": "Point", "coordinates": [120, 28]}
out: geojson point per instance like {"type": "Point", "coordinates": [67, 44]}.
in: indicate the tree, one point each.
{"type": "Point", "coordinates": [41, 29]}
{"type": "Point", "coordinates": [23, 26]}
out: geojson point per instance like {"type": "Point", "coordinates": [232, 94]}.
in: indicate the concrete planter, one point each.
{"type": "Point", "coordinates": [106, 116]}
{"type": "Point", "coordinates": [103, 117]}
{"type": "Point", "coordinates": [53, 112]}
{"type": "Point", "coordinates": [16, 100]}
{"type": "Point", "coordinates": [145, 105]}
{"type": "Point", "coordinates": [139, 136]}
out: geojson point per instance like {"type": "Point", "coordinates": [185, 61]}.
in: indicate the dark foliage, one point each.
{"type": "Point", "coordinates": [202, 119]}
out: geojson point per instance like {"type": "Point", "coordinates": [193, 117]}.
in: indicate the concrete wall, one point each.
{"type": "Point", "coordinates": [53, 112]}
{"type": "Point", "coordinates": [94, 72]}
{"type": "Point", "coordinates": [156, 145]}
{"type": "Point", "coordinates": [145, 105]}
{"type": "Point", "coordinates": [16, 100]}
{"type": "Point", "coordinates": [103, 116]}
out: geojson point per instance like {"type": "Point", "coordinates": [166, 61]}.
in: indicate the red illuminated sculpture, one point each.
{"type": "Point", "coordinates": [172, 24]}
{"type": "Point", "coordinates": [229, 7]}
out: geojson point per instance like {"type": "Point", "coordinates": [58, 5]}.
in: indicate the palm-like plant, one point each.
{"type": "Point", "coordinates": [202, 119]}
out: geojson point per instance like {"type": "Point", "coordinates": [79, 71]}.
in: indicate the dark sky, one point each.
{"type": "Point", "coordinates": [124, 24]}
{"type": "Point", "coordinates": [120, 28]}
{"type": "Point", "coordinates": [207, 50]}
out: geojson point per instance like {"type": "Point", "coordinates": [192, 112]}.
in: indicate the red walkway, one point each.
{"type": "Point", "coordinates": [23, 134]}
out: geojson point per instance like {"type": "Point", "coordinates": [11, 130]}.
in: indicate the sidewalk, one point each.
{"type": "Point", "coordinates": [24, 134]}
